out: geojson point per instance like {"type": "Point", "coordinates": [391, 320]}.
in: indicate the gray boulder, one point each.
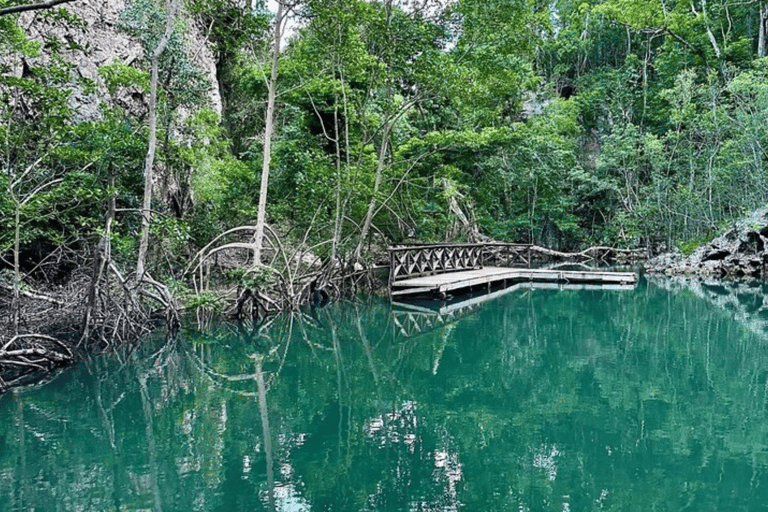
{"type": "Point", "coordinates": [742, 250]}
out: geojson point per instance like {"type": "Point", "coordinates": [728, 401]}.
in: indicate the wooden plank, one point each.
{"type": "Point", "coordinates": [446, 282]}
{"type": "Point", "coordinates": [411, 291]}
{"type": "Point", "coordinates": [442, 308]}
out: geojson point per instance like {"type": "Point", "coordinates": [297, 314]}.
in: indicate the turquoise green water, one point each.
{"type": "Point", "coordinates": [538, 400]}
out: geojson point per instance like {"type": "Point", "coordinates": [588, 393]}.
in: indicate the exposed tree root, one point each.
{"type": "Point", "coordinates": [27, 353]}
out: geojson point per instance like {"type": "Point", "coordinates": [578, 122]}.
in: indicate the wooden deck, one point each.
{"type": "Point", "coordinates": [412, 318]}
{"type": "Point", "coordinates": [441, 284]}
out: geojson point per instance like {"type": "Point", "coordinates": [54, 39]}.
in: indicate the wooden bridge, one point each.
{"type": "Point", "coordinates": [442, 268]}
{"type": "Point", "coordinates": [412, 318]}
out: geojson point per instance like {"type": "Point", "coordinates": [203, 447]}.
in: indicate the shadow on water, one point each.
{"type": "Point", "coordinates": [536, 399]}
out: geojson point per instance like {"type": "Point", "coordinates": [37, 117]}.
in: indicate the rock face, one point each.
{"type": "Point", "coordinates": [741, 251]}
{"type": "Point", "coordinates": [97, 42]}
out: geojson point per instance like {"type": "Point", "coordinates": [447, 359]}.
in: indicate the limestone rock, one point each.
{"type": "Point", "coordinates": [97, 42]}
{"type": "Point", "coordinates": [742, 250]}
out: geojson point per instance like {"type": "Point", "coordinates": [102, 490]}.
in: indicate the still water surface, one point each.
{"type": "Point", "coordinates": [651, 399]}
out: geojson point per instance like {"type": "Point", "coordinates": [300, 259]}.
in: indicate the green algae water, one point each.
{"type": "Point", "coordinates": [554, 400]}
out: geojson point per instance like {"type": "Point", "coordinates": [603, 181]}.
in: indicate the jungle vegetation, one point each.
{"type": "Point", "coordinates": [347, 125]}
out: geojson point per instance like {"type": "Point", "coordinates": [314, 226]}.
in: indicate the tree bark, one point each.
{"type": "Point", "coordinates": [761, 39]}
{"type": "Point", "coordinates": [258, 241]}
{"type": "Point", "coordinates": [376, 185]}
{"type": "Point", "coordinates": [173, 6]}
{"type": "Point", "coordinates": [710, 35]}
{"type": "Point", "coordinates": [16, 305]}
{"type": "Point", "coordinates": [101, 257]}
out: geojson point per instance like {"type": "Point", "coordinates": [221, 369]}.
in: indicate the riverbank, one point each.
{"type": "Point", "coordinates": [98, 310]}
{"type": "Point", "coordinates": [40, 333]}
{"type": "Point", "coordinates": [739, 251]}
{"type": "Point", "coordinates": [51, 326]}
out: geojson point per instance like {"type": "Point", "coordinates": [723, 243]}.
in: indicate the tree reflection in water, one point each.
{"type": "Point", "coordinates": [538, 400]}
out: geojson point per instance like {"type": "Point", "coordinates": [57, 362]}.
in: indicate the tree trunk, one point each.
{"type": "Point", "coordinates": [761, 39]}
{"type": "Point", "coordinates": [376, 185]}
{"type": "Point", "coordinates": [258, 241]}
{"type": "Point", "coordinates": [146, 206]}
{"type": "Point", "coordinates": [338, 213]}
{"type": "Point", "coordinates": [101, 257]}
{"type": "Point", "coordinates": [16, 304]}
{"type": "Point", "coordinates": [710, 35]}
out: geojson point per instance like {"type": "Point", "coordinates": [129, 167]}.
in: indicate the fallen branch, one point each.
{"type": "Point", "coordinates": [35, 296]}
{"type": "Point", "coordinates": [32, 7]}
{"type": "Point", "coordinates": [586, 253]}
{"type": "Point", "coordinates": [28, 352]}
{"type": "Point", "coordinates": [37, 351]}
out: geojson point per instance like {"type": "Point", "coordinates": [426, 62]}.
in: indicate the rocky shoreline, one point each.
{"type": "Point", "coordinates": [741, 251]}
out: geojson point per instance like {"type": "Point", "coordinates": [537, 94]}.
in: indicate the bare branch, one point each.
{"type": "Point", "coordinates": [36, 296]}
{"type": "Point", "coordinates": [32, 7]}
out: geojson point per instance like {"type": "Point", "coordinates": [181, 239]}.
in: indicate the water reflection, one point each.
{"type": "Point", "coordinates": [537, 400]}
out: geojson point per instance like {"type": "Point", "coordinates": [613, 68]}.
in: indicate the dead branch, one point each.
{"type": "Point", "coordinates": [203, 253]}
{"type": "Point", "coordinates": [592, 253]}
{"type": "Point", "coordinates": [35, 296]}
{"type": "Point", "coordinates": [25, 353]}
{"type": "Point", "coordinates": [32, 7]}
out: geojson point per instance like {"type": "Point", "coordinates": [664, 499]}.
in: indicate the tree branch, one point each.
{"type": "Point", "coordinates": [32, 7]}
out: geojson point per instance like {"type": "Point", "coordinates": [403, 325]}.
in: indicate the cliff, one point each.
{"type": "Point", "coordinates": [92, 40]}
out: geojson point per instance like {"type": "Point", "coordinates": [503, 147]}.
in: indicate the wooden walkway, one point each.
{"type": "Point", "coordinates": [412, 318]}
{"type": "Point", "coordinates": [439, 270]}
{"type": "Point", "coordinates": [442, 284]}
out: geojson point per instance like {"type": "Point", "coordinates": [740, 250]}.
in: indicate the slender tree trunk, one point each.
{"type": "Point", "coordinates": [146, 206]}
{"type": "Point", "coordinates": [761, 39]}
{"type": "Point", "coordinates": [376, 185]}
{"type": "Point", "coordinates": [338, 212]}
{"type": "Point", "coordinates": [101, 258]}
{"type": "Point", "coordinates": [258, 242]}
{"type": "Point", "coordinates": [15, 196]}
{"type": "Point", "coordinates": [16, 304]}
{"type": "Point", "coordinates": [710, 35]}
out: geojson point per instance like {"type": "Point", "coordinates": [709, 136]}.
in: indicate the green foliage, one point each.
{"type": "Point", "coordinates": [648, 124]}
{"type": "Point", "coordinates": [185, 84]}
{"type": "Point", "coordinates": [250, 278]}
{"type": "Point", "coordinates": [230, 25]}
{"type": "Point", "coordinates": [118, 75]}
{"type": "Point", "coordinates": [687, 247]}
{"type": "Point", "coordinates": [13, 38]}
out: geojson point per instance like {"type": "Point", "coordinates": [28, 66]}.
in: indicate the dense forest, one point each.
{"type": "Point", "coordinates": [341, 126]}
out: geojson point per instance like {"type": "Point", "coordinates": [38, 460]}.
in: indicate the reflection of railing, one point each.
{"type": "Point", "coordinates": [411, 319]}
{"type": "Point", "coordinates": [424, 260]}
{"type": "Point", "coordinates": [414, 321]}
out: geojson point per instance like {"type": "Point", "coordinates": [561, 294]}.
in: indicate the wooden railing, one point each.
{"type": "Point", "coordinates": [507, 255]}
{"type": "Point", "coordinates": [424, 260]}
